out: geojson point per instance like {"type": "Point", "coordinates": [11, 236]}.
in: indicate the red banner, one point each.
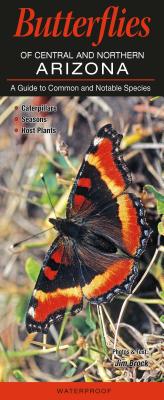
{"type": "Point", "coordinates": [78, 391]}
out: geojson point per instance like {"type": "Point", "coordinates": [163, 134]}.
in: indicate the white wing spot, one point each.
{"type": "Point", "coordinates": [31, 311]}
{"type": "Point", "coordinates": [97, 141]}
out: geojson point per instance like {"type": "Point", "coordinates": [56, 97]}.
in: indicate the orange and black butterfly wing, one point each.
{"type": "Point", "coordinates": [123, 223]}
{"type": "Point", "coordinates": [57, 288]}
{"type": "Point", "coordinates": [102, 177]}
{"type": "Point", "coordinates": [105, 275]}
{"type": "Point", "coordinates": [118, 277]}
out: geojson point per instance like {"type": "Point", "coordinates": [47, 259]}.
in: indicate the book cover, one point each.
{"type": "Point", "coordinates": [82, 201]}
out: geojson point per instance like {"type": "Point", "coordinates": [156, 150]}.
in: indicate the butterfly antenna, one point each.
{"type": "Point", "coordinates": [45, 185]}
{"type": "Point", "coordinates": [30, 237]}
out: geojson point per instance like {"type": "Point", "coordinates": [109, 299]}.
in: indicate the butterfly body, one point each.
{"type": "Point", "coordinates": [100, 241]}
{"type": "Point", "coordinates": [68, 228]}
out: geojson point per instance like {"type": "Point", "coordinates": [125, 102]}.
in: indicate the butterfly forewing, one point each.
{"type": "Point", "coordinates": [57, 289]}
{"type": "Point", "coordinates": [102, 176]}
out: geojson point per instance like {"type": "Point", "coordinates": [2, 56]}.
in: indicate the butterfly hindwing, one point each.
{"type": "Point", "coordinates": [123, 222]}
{"type": "Point", "coordinates": [57, 288]}
{"type": "Point", "coordinates": [102, 176]}
{"type": "Point", "coordinates": [118, 277]}
{"type": "Point", "coordinates": [105, 275]}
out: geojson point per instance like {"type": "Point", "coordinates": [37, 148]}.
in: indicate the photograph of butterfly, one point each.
{"type": "Point", "coordinates": [81, 238]}
{"type": "Point", "coordinates": [100, 219]}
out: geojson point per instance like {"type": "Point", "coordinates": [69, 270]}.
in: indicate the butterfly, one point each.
{"type": "Point", "coordinates": [99, 243]}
